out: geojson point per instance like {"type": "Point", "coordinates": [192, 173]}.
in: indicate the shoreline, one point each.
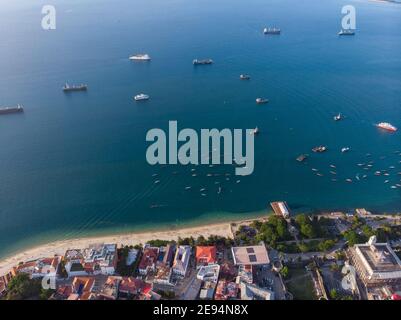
{"type": "Point", "coordinates": [132, 238]}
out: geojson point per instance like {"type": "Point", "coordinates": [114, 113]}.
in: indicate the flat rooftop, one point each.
{"type": "Point", "coordinates": [380, 257]}
{"type": "Point", "coordinates": [251, 255]}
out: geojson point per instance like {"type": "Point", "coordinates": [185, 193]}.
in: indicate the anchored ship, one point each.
{"type": "Point", "coordinates": [346, 32]}
{"type": "Point", "coordinates": [140, 57]}
{"type": "Point", "coordinates": [271, 31]}
{"type": "Point", "coordinates": [81, 87]}
{"type": "Point", "coordinates": [142, 96]}
{"type": "Point", "coordinates": [386, 126]}
{"type": "Point", "coordinates": [319, 149]}
{"type": "Point", "coordinates": [196, 62]}
{"type": "Point", "coordinates": [261, 100]}
{"type": "Point", "coordinates": [7, 110]}
{"type": "Point", "coordinates": [244, 77]}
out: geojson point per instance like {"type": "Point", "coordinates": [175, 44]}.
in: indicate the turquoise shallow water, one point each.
{"type": "Point", "coordinates": [74, 165]}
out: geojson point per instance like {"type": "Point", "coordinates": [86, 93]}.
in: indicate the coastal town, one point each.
{"type": "Point", "coordinates": [351, 255]}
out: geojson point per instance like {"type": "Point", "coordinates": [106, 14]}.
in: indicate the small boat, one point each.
{"type": "Point", "coordinates": [319, 149]}
{"type": "Point", "coordinates": [275, 31]}
{"type": "Point", "coordinates": [141, 97]}
{"type": "Point", "coordinates": [346, 32]}
{"type": "Point", "coordinates": [244, 77]}
{"type": "Point", "coordinates": [187, 188]}
{"type": "Point", "coordinates": [345, 149]}
{"type": "Point", "coordinates": [315, 170]}
{"type": "Point", "coordinates": [333, 166]}
{"type": "Point", "coordinates": [393, 187]}
{"type": "Point", "coordinates": [261, 100]}
{"type": "Point", "coordinates": [348, 180]}
{"type": "Point", "coordinates": [157, 181]}
{"type": "Point", "coordinates": [333, 172]}
{"type": "Point", "coordinates": [319, 174]}
{"type": "Point", "coordinates": [140, 57]}
{"type": "Point", "coordinates": [197, 62]}
{"type": "Point", "coordinates": [219, 191]}
{"type": "Point", "coordinates": [302, 157]}
{"type": "Point", "coordinates": [386, 181]}
{"type": "Point", "coordinates": [338, 117]}
{"type": "Point", "coordinates": [386, 126]}
{"type": "Point", "coordinates": [81, 87]}
{"type": "Point", "coordinates": [255, 131]}
{"type": "Point", "coordinates": [378, 173]}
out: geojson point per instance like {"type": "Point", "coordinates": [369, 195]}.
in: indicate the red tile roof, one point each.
{"type": "Point", "coordinates": [149, 257]}
{"type": "Point", "coordinates": [206, 255]}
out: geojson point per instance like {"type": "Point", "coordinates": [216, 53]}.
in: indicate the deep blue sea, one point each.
{"type": "Point", "coordinates": [74, 164]}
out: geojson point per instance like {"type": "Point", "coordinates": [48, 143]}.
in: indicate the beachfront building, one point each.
{"type": "Point", "coordinates": [148, 261]}
{"type": "Point", "coordinates": [168, 257]}
{"type": "Point", "coordinates": [281, 208]}
{"type": "Point", "coordinates": [247, 258]}
{"type": "Point", "coordinates": [132, 256]}
{"type": "Point", "coordinates": [376, 263]}
{"type": "Point", "coordinates": [250, 255]}
{"type": "Point", "coordinates": [181, 260]}
{"type": "Point", "coordinates": [205, 255]}
{"type": "Point", "coordinates": [73, 259]}
{"type": "Point", "coordinates": [38, 268]}
{"type": "Point", "coordinates": [209, 273]}
{"type": "Point", "coordinates": [80, 289]}
{"type": "Point", "coordinates": [101, 258]}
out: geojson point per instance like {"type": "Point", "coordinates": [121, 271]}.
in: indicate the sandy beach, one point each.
{"type": "Point", "coordinates": [60, 247]}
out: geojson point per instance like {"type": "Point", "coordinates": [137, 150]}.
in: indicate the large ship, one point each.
{"type": "Point", "coordinates": [346, 32]}
{"type": "Point", "coordinates": [271, 31]}
{"type": "Point", "coordinates": [386, 126]}
{"type": "Point", "coordinates": [7, 110]}
{"type": "Point", "coordinates": [81, 87]}
{"type": "Point", "coordinates": [196, 62]}
{"type": "Point", "coordinates": [140, 57]}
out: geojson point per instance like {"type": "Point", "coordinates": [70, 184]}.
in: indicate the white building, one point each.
{"type": "Point", "coordinates": [181, 260]}
{"type": "Point", "coordinates": [209, 273]}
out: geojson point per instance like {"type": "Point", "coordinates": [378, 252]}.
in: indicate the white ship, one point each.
{"type": "Point", "coordinates": [140, 97]}
{"type": "Point", "coordinates": [140, 57]}
{"type": "Point", "coordinates": [386, 126]}
{"type": "Point", "coordinates": [271, 31]}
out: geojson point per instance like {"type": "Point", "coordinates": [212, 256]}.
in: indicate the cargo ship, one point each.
{"type": "Point", "coordinates": [8, 110]}
{"type": "Point", "coordinates": [81, 87]}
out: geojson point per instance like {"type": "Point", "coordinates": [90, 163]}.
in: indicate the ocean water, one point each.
{"type": "Point", "coordinates": [74, 165]}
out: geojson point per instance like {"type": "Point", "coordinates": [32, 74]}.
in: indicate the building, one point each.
{"type": "Point", "coordinates": [376, 263]}
{"type": "Point", "coordinates": [80, 289]}
{"type": "Point", "coordinates": [207, 290]}
{"type": "Point", "coordinates": [132, 256]}
{"type": "Point", "coordinates": [74, 263]}
{"type": "Point", "coordinates": [209, 273]}
{"type": "Point", "coordinates": [163, 275]}
{"type": "Point", "coordinates": [250, 255]}
{"type": "Point", "coordinates": [181, 260]}
{"type": "Point", "coordinates": [252, 292]}
{"type": "Point", "coordinates": [226, 290]}
{"type": "Point", "coordinates": [38, 268]}
{"type": "Point", "coordinates": [206, 255]}
{"type": "Point", "coordinates": [281, 208]}
{"type": "Point", "coordinates": [168, 258]}
{"type": "Point", "coordinates": [148, 261]}
{"type": "Point", "coordinates": [110, 289]}
{"type": "Point", "coordinates": [130, 286]}
{"type": "Point", "coordinates": [101, 258]}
